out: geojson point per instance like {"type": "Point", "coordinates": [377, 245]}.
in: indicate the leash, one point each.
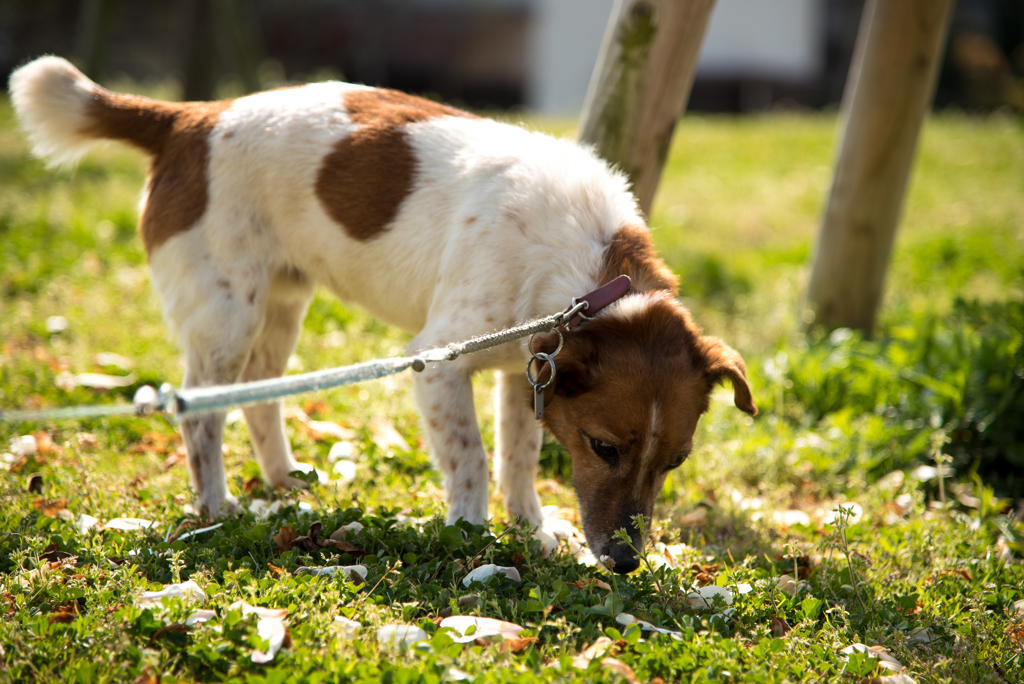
{"type": "Point", "coordinates": [189, 401]}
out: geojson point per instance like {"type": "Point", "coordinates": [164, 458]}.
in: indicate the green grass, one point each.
{"type": "Point", "coordinates": [736, 217]}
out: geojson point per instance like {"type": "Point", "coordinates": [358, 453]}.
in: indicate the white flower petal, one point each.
{"type": "Point", "coordinates": [346, 629]}
{"type": "Point", "coordinates": [187, 591]}
{"type": "Point", "coordinates": [485, 627]}
{"type": "Point", "coordinates": [705, 597]}
{"type": "Point", "coordinates": [485, 571]}
{"type": "Point", "coordinates": [273, 632]}
{"type": "Point", "coordinates": [399, 635]}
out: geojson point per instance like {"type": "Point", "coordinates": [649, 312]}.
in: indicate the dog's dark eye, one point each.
{"type": "Point", "coordinates": [677, 461]}
{"type": "Point", "coordinates": [608, 452]}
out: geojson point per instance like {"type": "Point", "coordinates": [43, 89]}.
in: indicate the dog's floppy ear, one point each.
{"type": "Point", "coordinates": [724, 362]}
{"type": "Point", "coordinates": [572, 374]}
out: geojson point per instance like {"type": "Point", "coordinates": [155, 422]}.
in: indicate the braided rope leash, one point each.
{"type": "Point", "coordinates": [194, 400]}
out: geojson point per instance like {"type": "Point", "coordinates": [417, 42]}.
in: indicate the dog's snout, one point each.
{"type": "Point", "coordinates": [625, 560]}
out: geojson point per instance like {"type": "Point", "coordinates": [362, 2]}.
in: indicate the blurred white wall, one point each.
{"type": "Point", "coordinates": [783, 39]}
{"type": "Point", "coordinates": [564, 42]}
{"type": "Point", "coordinates": [773, 39]}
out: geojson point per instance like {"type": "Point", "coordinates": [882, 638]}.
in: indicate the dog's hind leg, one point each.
{"type": "Point", "coordinates": [213, 358]}
{"type": "Point", "coordinates": [285, 309]}
{"type": "Point", "coordinates": [516, 447]}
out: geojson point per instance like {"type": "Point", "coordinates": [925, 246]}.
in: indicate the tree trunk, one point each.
{"type": "Point", "coordinates": [641, 83]}
{"type": "Point", "coordinates": [890, 86]}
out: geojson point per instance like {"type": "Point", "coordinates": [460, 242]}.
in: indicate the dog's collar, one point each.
{"type": "Point", "coordinates": [597, 300]}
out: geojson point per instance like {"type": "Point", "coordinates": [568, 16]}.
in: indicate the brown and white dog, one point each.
{"type": "Point", "coordinates": [435, 220]}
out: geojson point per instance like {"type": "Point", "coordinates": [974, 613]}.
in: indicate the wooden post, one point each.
{"type": "Point", "coordinates": [641, 83]}
{"type": "Point", "coordinates": [888, 92]}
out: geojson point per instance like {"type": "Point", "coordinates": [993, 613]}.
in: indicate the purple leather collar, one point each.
{"type": "Point", "coordinates": [600, 298]}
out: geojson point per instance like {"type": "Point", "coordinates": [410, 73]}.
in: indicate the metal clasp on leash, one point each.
{"type": "Point", "coordinates": [538, 387]}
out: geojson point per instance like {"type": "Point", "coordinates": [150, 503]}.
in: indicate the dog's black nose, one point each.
{"type": "Point", "coordinates": [625, 560]}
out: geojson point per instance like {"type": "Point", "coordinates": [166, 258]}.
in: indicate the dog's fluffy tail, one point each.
{"type": "Point", "coordinates": [65, 113]}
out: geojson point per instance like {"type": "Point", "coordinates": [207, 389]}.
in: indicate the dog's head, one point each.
{"type": "Point", "coordinates": [629, 388]}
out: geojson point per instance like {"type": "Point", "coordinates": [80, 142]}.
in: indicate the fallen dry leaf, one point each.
{"type": "Point", "coordinates": [274, 570]}
{"type": "Point", "coordinates": [385, 436]}
{"type": "Point", "coordinates": [779, 627]}
{"type": "Point", "coordinates": [343, 547]}
{"type": "Point", "coordinates": [516, 644]}
{"type": "Point", "coordinates": [595, 650]}
{"type": "Point", "coordinates": [86, 441]}
{"type": "Point", "coordinates": [315, 408]}
{"type": "Point", "coordinates": [885, 660]}
{"type": "Point", "coordinates": [44, 443]}
{"type": "Point", "coordinates": [52, 508]}
{"type": "Point", "coordinates": [51, 554]}
{"type": "Point", "coordinates": [62, 618]}
{"type": "Point", "coordinates": [147, 676]}
{"type": "Point", "coordinates": [285, 538]}
{"type": "Point", "coordinates": [696, 518]}
{"type": "Point", "coordinates": [588, 582]}
{"type": "Point", "coordinates": [620, 668]}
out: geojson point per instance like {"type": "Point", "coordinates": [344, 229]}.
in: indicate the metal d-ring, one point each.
{"type": "Point", "coordinates": [557, 349]}
{"type": "Point", "coordinates": [529, 374]}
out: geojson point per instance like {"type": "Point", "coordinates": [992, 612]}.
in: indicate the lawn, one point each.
{"type": "Point", "coordinates": [823, 520]}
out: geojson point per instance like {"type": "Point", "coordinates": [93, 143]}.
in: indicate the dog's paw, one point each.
{"type": "Point", "coordinates": [224, 508]}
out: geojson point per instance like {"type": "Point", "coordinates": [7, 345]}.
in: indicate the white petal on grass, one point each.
{"type": "Point", "coordinates": [192, 533]}
{"type": "Point", "coordinates": [396, 636]}
{"type": "Point", "coordinates": [260, 611]}
{"type": "Point", "coordinates": [595, 650]}
{"type": "Point", "coordinates": [67, 382]}
{"type": "Point", "coordinates": [484, 627]}
{"type": "Point", "coordinates": [344, 471]}
{"type": "Point", "coordinates": [345, 628]}
{"type": "Point", "coordinates": [56, 324]}
{"type": "Point", "coordinates": [187, 591]}
{"type": "Point", "coordinates": [1018, 607]}
{"type": "Point", "coordinates": [25, 445]}
{"type": "Point", "coordinates": [894, 679]}
{"type": "Point", "coordinates": [86, 523]}
{"type": "Point", "coordinates": [457, 675]}
{"type": "Point", "coordinates": [884, 659]}
{"type": "Point", "coordinates": [273, 632]}
{"type": "Point", "coordinates": [200, 616]}
{"type": "Point", "coordinates": [707, 597]}
{"type": "Point", "coordinates": [342, 451]}
{"type": "Point", "coordinates": [625, 619]}
{"type": "Point", "coordinates": [790, 586]}
{"type": "Point", "coordinates": [386, 437]}
{"type": "Point", "coordinates": [354, 573]}
{"type": "Point", "coordinates": [485, 571]}
{"type": "Point", "coordinates": [129, 524]}
{"type": "Point", "coordinates": [744, 588]}
{"type": "Point", "coordinates": [112, 359]}
{"type": "Point", "coordinates": [329, 429]}
{"type": "Point", "coordinates": [345, 530]}
{"type": "Point", "coordinates": [921, 635]}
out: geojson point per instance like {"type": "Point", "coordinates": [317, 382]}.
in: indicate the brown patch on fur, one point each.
{"type": "Point", "coordinates": [176, 134]}
{"type": "Point", "coordinates": [611, 371]}
{"type": "Point", "coordinates": [364, 179]}
{"type": "Point", "coordinates": [631, 253]}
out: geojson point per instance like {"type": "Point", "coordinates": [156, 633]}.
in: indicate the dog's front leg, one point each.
{"type": "Point", "coordinates": [517, 447]}
{"type": "Point", "coordinates": [445, 396]}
